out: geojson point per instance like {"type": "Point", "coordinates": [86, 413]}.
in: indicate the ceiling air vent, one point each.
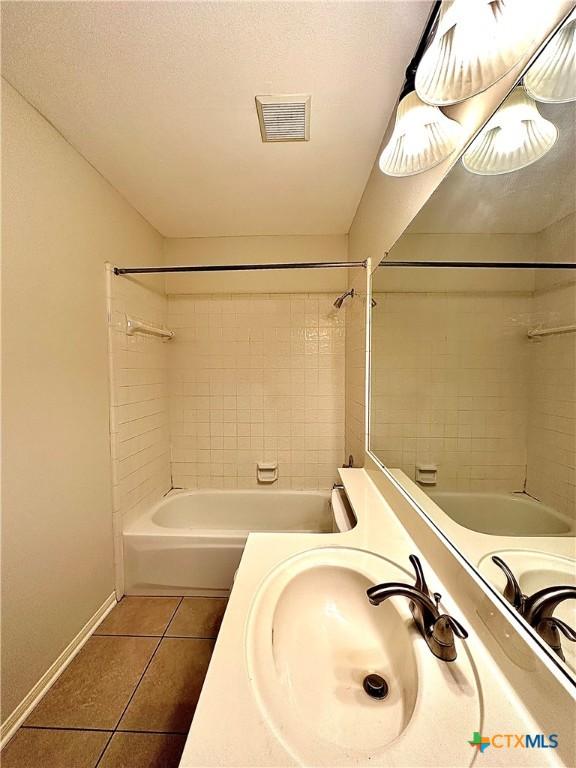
{"type": "Point", "coordinates": [284, 118]}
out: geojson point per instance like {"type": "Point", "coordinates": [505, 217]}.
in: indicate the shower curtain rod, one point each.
{"type": "Point", "coordinates": [482, 264]}
{"type": "Point", "coordinates": [240, 267]}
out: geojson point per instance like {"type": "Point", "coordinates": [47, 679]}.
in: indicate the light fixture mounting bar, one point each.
{"type": "Point", "coordinates": [410, 73]}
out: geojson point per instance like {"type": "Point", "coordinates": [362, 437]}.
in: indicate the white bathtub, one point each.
{"type": "Point", "coordinates": [502, 514]}
{"type": "Point", "coordinates": [191, 542]}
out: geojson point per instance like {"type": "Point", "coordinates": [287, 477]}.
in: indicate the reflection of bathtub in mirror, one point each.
{"type": "Point", "coordinates": [503, 514]}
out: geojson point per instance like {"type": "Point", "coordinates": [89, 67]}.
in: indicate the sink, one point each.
{"type": "Point", "coordinates": [312, 637]}
{"type": "Point", "coordinates": [535, 570]}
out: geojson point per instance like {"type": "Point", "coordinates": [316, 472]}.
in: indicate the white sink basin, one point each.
{"type": "Point", "coordinates": [312, 637]}
{"type": "Point", "coordinates": [535, 570]}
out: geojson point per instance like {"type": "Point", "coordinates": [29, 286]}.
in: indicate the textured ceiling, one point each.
{"type": "Point", "coordinates": [524, 201]}
{"type": "Point", "coordinates": [159, 97]}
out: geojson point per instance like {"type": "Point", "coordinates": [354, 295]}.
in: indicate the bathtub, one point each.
{"type": "Point", "coordinates": [502, 514]}
{"type": "Point", "coordinates": [191, 542]}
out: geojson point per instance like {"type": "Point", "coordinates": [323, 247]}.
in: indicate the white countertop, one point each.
{"type": "Point", "coordinates": [229, 727]}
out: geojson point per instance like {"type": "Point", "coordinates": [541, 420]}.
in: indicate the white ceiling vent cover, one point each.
{"type": "Point", "coordinates": [284, 118]}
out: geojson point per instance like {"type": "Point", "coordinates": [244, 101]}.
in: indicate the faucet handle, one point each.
{"type": "Point", "coordinates": [445, 627]}
{"type": "Point", "coordinates": [512, 591]}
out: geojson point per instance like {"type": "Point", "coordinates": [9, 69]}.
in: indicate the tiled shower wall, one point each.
{"type": "Point", "coordinates": [256, 378]}
{"type": "Point", "coordinates": [140, 441]}
{"type": "Point", "coordinates": [450, 386]}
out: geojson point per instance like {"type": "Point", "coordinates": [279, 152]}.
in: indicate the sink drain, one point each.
{"type": "Point", "coordinates": [375, 686]}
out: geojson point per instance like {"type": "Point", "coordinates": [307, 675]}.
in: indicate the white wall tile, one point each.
{"type": "Point", "coordinates": [139, 422]}
{"type": "Point", "coordinates": [256, 377]}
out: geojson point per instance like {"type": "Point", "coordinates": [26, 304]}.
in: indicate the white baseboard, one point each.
{"type": "Point", "coordinates": [13, 721]}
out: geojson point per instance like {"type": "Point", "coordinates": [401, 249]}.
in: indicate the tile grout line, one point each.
{"type": "Point", "coordinates": [97, 763]}
{"type": "Point", "coordinates": [159, 638]}
{"type": "Point", "coordinates": [116, 729]}
{"type": "Point", "coordinates": [168, 637]}
{"type": "Point", "coordinates": [94, 730]}
{"type": "Point", "coordinates": [138, 685]}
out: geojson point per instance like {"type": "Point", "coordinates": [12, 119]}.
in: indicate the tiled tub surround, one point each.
{"type": "Point", "coordinates": [256, 378]}
{"type": "Point", "coordinates": [140, 440]}
{"type": "Point", "coordinates": [129, 696]}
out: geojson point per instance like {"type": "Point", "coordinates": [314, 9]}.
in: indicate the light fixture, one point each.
{"type": "Point", "coordinates": [552, 77]}
{"type": "Point", "coordinates": [476, 43]}
{"type": "Point", "coordinates": [515, 136]}
{"type": "Point", "coordinates": [423, 136]}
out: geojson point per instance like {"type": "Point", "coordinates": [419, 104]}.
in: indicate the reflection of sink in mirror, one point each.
{"type": "Point", "coordinates": [313, 637]}
{"type": "Point", "coordinates": [534, 571]}
{"type": "Point", "coordinates": [502, 514]}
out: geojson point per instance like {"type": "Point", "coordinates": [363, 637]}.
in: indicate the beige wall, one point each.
{"type": "Point", "coordinates": [61, 222]}
{"type": "Point", "coordinates": [255, 250]}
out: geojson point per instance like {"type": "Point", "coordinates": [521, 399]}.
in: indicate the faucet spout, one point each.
{"type": "Point", "coordinates": [382, 592]}
{"type": "Point", "coordinates": [438, 630]}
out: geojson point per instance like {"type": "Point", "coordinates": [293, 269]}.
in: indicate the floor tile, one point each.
{"type": "Point", "coordinates": [198, 617]}
{"type": "Point", "coordinates": [139, 616]}
{"type": "Point", "coordinates": [143, 750]}
{"type": "Point", "coordinates": [167, 696]}
{"type": "Point", "coordinates": [94, 690]}
{"type": "Point", "coordinates": [39, 748]}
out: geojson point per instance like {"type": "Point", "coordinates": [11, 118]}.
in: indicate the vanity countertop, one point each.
{"type": "Point", "coordinates": [231, 729]}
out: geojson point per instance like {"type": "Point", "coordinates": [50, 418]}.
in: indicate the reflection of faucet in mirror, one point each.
{"type": "Point", "coordinates": [538, 609]}
{"type": "Point", "coordinates": [437, 629]}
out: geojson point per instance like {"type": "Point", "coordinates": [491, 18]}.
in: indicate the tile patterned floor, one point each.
{"type": "Point", "coordinates": [128, 698]}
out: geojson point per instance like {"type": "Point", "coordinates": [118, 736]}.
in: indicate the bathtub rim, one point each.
{"type": "Point", "coordinates": [144, 525]}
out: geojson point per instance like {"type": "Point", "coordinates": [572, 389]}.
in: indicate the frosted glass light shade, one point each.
{"type": "Point", "coordinates": [476, 43]}
{"type": "Point", "coordinates": [515, 136]}
{"type": "Point", "coordinates": [423, 136]}
{"type": "Point", "coordinates": [552, 77]}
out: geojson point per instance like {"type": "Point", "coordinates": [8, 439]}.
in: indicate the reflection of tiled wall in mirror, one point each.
{"type": "Point", "coordinates": [457, 383]}
{"type": "Point", "coordinates": [551, 473]}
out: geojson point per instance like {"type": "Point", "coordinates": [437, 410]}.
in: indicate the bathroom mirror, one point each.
{"type": "Point", "coordinates": [473, 376]}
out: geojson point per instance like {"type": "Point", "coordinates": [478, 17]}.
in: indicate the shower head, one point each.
{"type": "Point", "coordinates": [340, 300]}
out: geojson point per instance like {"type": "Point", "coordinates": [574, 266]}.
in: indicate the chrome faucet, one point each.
{"type": "Point", "coordinates": [437, 629]}
{"type": "Point", "coordinates": [538, 609]}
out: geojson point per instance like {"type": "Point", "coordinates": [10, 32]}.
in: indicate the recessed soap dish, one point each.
{"type": "Point", "coordinates": [267, 472]}
{"type": "Point", "coordinates": [426, 474]}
